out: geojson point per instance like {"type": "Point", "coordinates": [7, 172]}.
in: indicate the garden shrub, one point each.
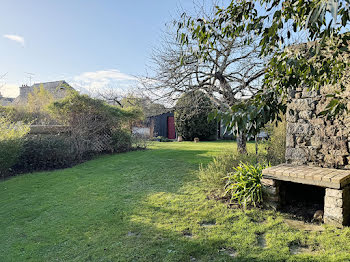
{"type": "Point", "coordinates": [121, 140]}
{"type": "Point", "coordinates": [45, 152]}
{"type": "Point", "coordinates": [92, 122]}
{"type": "Point", "coordinates": [11, 140]}
{"type": "Point", "coordinates": [191, 117]}
{"type": "Point", "coordinates": [139, 141]}
{"type": "Point", "coordinates": [276, 144]}
{"type": "Point", "coordinates": [38, 101]}
{"type": "Point", "coordinates": [213, 175]}
{"type": "Point", "coordinates": [244, 184]}
{"type": "Point", "coordinates": [163, 139]}
{"type": "Point", "coordinates": [17, 114]}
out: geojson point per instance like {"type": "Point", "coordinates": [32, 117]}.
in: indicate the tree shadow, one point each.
{"type": "Point", "coordinates": [138, 206]}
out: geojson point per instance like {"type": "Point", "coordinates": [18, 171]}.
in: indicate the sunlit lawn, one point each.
{"type": "Point", "coordinates": [146, 206]}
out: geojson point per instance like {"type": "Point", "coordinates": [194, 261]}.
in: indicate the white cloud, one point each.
{"type": "Point", "coordinates": [9, 90]}
{"type": "Point", "coordinates": [16, 38]}
{"type": "Point", "coordinates": [99, 81]}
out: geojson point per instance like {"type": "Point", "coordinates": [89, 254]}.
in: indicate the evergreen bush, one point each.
{"type": "Point", "coordinates": [11, 141]}
{"type": "Point", "coordinates": [45, 152]}
{"type": "Point", "coordinates": [121, 140]}
{"type": "Point", "coordinates": [191, 117]}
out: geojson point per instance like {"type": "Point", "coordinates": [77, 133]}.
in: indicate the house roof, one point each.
{"type": "Point", "coordinates": [56, 88]}
{"type": "Point", "coordinates": [166, 111]}
{"type": "Point", "coordinates": [4, 101]}
{"type": "Point", "coordinates": [51, 86]}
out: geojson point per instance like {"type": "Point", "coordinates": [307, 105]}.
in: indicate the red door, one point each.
{"type": "Point", "coordinates": [171, 127]}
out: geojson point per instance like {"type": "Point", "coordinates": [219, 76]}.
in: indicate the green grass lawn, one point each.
{"type": "Point", "coordinates": [146, 206]}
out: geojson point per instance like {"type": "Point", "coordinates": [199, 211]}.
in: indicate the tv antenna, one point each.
{"type": "Point", "coordinates": [30, 77]}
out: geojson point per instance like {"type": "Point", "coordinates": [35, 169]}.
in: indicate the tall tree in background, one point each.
{"type": "Point", "coordinates": [230, 70]}
{"type": "Point", "coordinates": [113, 96]}
{"type": "Point", "coordinates": [39, 99]}
{"type": "Point", "coordinates": [321, 24]}
{"type": "Point", "coordinates": [149, 107]}
{"type": "Point", "coordinates": [37, 104]}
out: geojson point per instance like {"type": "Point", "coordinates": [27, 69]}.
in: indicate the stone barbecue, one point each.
{"type": "Point", "coordinates": [317, 176]}
{"type": "Point", "coordinates": [335, 181]}
{"type": "Point", "coordinates": [317, 158]}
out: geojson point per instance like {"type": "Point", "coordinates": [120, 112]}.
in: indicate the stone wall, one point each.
{"type": "Point", "coordinates": [314, 140]}
{"type": "Point", "coordinates": [337, 206]}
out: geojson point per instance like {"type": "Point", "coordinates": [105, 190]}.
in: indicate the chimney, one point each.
{"type": "Point", "coordinates": [24, 90]}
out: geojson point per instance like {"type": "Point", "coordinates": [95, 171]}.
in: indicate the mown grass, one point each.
{"type": "Point", "coordinates": [146, 206]}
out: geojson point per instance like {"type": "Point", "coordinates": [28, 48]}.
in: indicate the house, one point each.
{"type": "Point", "coordinates": [58, 89]}
{"type": "Point", "coordinates": [163, 124]}
{"type": "Point", "coordinates": [5, 101]}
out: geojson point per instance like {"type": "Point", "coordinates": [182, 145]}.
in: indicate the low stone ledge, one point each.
{"type": "Point", "coordinates": [336, 182]}
{"type": "Point", "coordinates": [318, 176]}
{"type": "Point", "coordinates": [337, 206]}
{"type": "Point", "coordinates": [271, 193]}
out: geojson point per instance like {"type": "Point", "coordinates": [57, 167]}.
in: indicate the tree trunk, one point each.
{"type": "Point", "coordinates": [256, 144]}
{"type": "Point", "coordinates": [242, 143]}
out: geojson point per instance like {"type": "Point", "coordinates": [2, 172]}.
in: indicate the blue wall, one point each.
{"type": "Point", "coordinates": [160, 124]}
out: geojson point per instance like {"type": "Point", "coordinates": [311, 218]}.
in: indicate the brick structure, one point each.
{"type": "Point", "coordinates": [335, 181]}
{"type": "Point", "coordinates": [317, 154]}
{"type": "Point", "coordinates": [337, 206]}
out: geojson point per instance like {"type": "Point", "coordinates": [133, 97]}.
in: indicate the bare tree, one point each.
{"type": "Point", "coordinates": [132, 98]}
{"type": "Point", "coordinates": [230, 72]}
{"type": "Point", "coordinates": [111, 95]}
{"type": "Point", "coordinates": [2, 84]}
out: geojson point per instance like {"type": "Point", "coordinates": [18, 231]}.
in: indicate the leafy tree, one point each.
{"type": "Point", "coordinates": [37, 105]}
{"type": "Point", "coordinates": [74, 105]}
{"type": "Point", "coordinates": [251, 115]}
{"type": "Point", "coordinates": [280, 26]}
{"type": "Point", "coordinates": [39, 99]}
{"type": "Point", "coordinates": [191, 116]}
{"type": "Point", "coordinates": [92, 121]}
{"type": "Point", "coordinates": [231, 69]}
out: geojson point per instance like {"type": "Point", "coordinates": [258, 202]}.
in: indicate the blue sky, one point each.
{"type": "Point", "coordinates": [87, 42]}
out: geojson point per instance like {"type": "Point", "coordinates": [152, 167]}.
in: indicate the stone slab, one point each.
{"type": "Point", "coordinates": [317, 176]}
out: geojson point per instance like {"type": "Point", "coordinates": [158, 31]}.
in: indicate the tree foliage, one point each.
{"type": "Point", "coordinates": [92, 121]}
{"type": "Point", "coordinates": [75, 105]}
{"type": "Point", "coordinates": [244, 184]}
{"type": "Point", "coordinates": [11, 139]}
{"type": "Point", "coordinates": [252, 114]}
{"type": "Point", "coordinates": [227, 70]}
{"type": "Point", "coordinates": [276, 144]}
{"type": "Point", "coordinates": [39, 99]}
{"type": "Point", "coordinates": [37, 105]}
{"type": "Point", "coordinates": [277, 25]}
{"type": "Point", "coordinates": [231, 70]}
{"type": "Point", "coordinates": [145, 104]}
{"type": "Point", "coordinates": [191, 116]}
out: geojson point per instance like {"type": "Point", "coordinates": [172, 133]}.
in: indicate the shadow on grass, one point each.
{"type": "Point", "coordinates": [137, 206]}
{"type": "Point", "coordinates": [173, 226]}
